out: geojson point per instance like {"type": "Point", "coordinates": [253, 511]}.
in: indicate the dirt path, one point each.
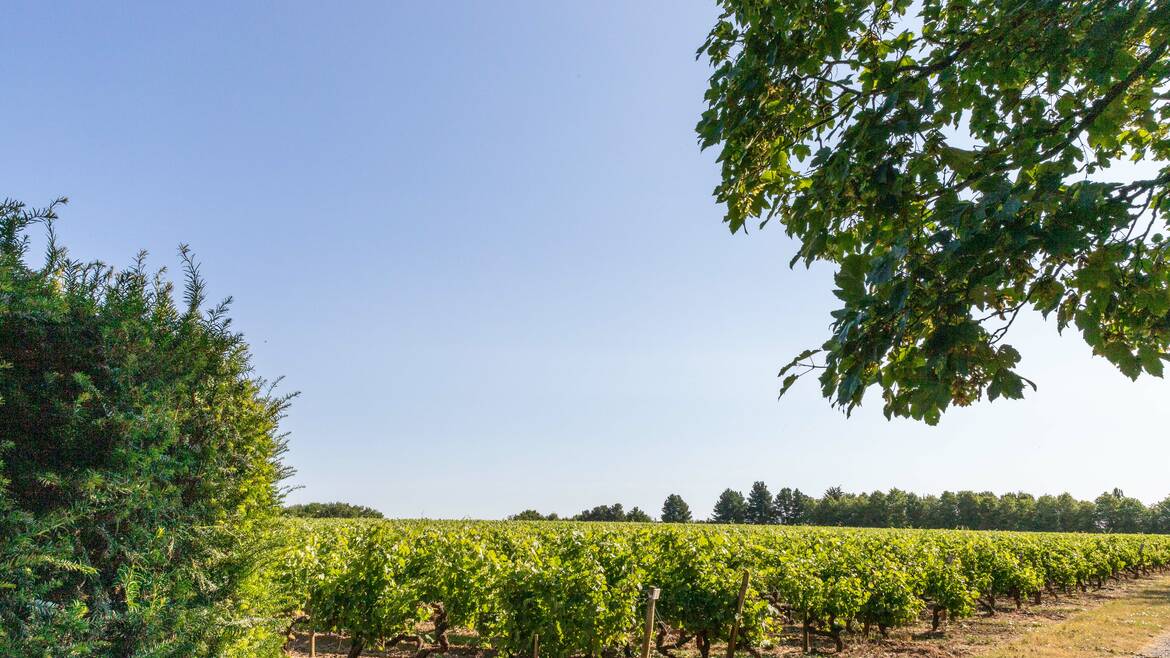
{"type": "Point", "coordinates": [1158, 649]}
{"type": "Point", "coordinates": [1121, 625]}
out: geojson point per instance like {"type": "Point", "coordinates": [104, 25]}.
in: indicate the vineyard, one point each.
{"type": "Point", "coordinates": [566, 589]}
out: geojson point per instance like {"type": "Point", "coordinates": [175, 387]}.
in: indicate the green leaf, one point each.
{"type": "Point", "coordinates": [1151, 360]}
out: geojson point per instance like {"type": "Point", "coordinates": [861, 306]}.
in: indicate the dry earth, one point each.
{"type": "Point", "coordinates": [1158, 649]}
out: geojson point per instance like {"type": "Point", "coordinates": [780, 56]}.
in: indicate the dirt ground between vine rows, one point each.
{"type": "Point", "coordinates": [1160, 648]}
{"type": "Point", "coordinates": [1123, 619]}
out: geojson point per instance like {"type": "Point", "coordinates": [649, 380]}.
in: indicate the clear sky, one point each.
{"type": "Point", "coordinates": [478, 238]}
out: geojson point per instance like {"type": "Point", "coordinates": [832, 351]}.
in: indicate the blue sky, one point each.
{"type": "Point", "coordinates": [479, 239]}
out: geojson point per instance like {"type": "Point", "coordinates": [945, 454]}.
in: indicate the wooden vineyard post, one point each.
{"type": "Point", "coordinates": [536, 645]}
{"type": "Point", "coordinates": [313, 644]}
{"type": "Point", "coordinates": [743, 588]}
{"type": "Point", "coordinates": [651, 598]}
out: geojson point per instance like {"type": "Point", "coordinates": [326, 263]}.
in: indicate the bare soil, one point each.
{"type": "Point", "coordinates": [1158, 649]}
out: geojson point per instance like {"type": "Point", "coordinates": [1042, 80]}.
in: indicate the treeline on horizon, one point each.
{"type": "Point", "coordinates": [335, 510]}
{"type": "Point", "coordinates": [1112, 511]}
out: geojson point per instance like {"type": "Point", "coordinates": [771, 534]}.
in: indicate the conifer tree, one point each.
{"type": "Point", "coordinates": [761, 509]}
{"type": "Point", "coordinates": [676, 510]}
{"type": "Point", "coordinates": [730, 508]}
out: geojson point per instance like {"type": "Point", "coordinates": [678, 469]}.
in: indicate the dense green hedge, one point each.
{"type": "Point", "coordinates": [140, 460]}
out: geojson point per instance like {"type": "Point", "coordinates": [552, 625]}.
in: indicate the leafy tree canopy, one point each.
{"type": "Point", "coordinates": [336, 510]}
{"type": "Point", "coordinates": [1160, 516]}
{"type": "Point", "coordinates": [951, 158]}
{"type": "Point", "coordinates": [638, 515]}
{"type": "Point", "coordinates": [532, 515]}
{"type": "Point", "coordinates": [791, 506]}
{"type": "Point", "coordinates": [613, 512]}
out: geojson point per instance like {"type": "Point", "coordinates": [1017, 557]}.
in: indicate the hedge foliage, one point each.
{"type": "Point", "coordinates": [139, 460]}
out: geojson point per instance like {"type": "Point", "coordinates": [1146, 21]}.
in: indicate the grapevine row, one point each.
{"type": "Point", "coordinates": [581, 587]}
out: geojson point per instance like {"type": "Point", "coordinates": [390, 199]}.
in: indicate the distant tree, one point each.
{"type": "Point", "coordinates": [783, 506]}
{"type": "Point", "coordinates": [1104, 510]}
{"type": "Point", "coordinates": [676, 510]}
{"type": "Point", "coordinates": [761, 508]}
{"type": "Point", "coordinates": [855, 509]}
{"type": "Point", "coordinates": [636, 515]}
{"type": "Point", "coordinates": [730, 508]}
{"type": "Point", "coordinates": [830, 510]}
{"type": "Point", "coordinates": [800, 509]}
{"type": "Point", "coordinates": [1047, 517]}
{"type": "Point", "coordinates": [1081, 514]}
{"type": "Point", "coordinates": [331, 511]}
{"type": "Point", "coordinates": [895, 508]}
{"type": "Point", "coordinates": [946, 512]}
{"type": "Point", "coordinates": [1016, 511]}
{"type": "Point", "coordinates": [793, 507]}
{"type": "Point", "coordinates": [613, 513]}
{"type": "Point", "coordinates": [971, 509]}
{"type": "Point", "coordinates": [874, 513]}
{"type": "Point", "coordinates": [917, 508]}
{"type": "Point", "coordinates": [532, 515]}
{"type": "Point", "coordinates": [896, 515]}
{"type": "Point", "coordinates": [1159, 520]}
{"type": "Point", "coordinates": [1115, 512]}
